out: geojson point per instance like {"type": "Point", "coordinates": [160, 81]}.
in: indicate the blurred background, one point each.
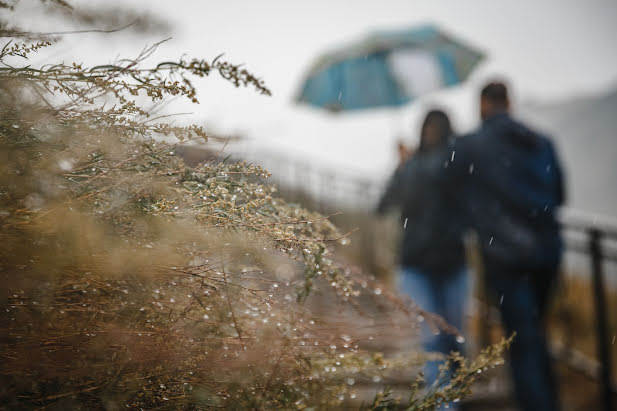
{"type": "Point", "coordinates": [558, 57]}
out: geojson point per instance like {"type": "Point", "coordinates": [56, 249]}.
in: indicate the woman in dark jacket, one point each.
{"type": "Point", "coordinates": [432, 268]}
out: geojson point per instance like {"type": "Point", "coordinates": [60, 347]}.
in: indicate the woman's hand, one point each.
{"type": "Point", "coordinates": [404, 153]}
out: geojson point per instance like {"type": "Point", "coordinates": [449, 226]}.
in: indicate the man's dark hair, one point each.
{"type": "Point", "coordinates": [495, 92]}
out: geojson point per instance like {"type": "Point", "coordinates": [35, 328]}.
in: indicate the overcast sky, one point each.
{"type": "Point", "coordinates": [548, 50]}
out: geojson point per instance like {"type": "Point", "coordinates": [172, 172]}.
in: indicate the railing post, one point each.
{"type": "Point", "coordinates": [604, 357]}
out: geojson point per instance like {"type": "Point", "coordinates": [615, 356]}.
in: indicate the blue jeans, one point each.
{"type": "Point", "coordinates": [444, 295]}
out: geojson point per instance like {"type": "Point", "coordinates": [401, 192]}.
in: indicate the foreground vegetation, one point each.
{"type": "Point", "coordinates": [132, 280]}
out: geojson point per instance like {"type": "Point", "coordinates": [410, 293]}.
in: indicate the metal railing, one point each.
{"type": "Point", "coordinates": [600, 244]}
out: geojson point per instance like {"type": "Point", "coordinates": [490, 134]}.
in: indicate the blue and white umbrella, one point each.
{"type": "Point", "coordinates": [388, 69]}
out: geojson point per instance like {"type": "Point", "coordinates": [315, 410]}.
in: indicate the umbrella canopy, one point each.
{"type": "Point", "coordinates": [388, 69]}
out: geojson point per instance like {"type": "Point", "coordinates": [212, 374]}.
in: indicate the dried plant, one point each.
{"type": "Point", "coordinates": [132, 280]}
{"type": "Point", "coordinates": [106, 19]}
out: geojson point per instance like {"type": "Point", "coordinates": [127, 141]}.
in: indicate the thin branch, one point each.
{"type": "Point", "coordinates": [319, 239]}
{"type": "Point", "coordinates": [60, 33]}
{"type": "Point", "coordinates": [233, 316]}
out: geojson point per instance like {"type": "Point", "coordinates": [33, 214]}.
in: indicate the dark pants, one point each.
{"type": "Point", "coordinates": [523, 298]}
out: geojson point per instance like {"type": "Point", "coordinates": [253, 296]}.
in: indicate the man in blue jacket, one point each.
{"type": "Point", "coordinates": [509, 181]}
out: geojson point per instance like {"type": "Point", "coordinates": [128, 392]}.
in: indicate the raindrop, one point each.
{"type": "Point", "coordinates": [350, 381]}
{"type": "Point", "coordinates": [65, 165]}
{"type": "Point", "coordinates": [376, 378]}
{"type": "Point", "coordinates": [378, 291]}
{"type": "Point", "coordinates": [501, 299]}
{"type": "Point", "coordinates": [405, 223]}
{"type": "Point", "coordinates": [460, 339]}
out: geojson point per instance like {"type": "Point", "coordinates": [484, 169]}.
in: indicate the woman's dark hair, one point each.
{"type": "Point", "coordinates": [437, 123]}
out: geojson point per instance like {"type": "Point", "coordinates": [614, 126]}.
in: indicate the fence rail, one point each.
{"type": "Point", "coordinates": [595, 237]}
